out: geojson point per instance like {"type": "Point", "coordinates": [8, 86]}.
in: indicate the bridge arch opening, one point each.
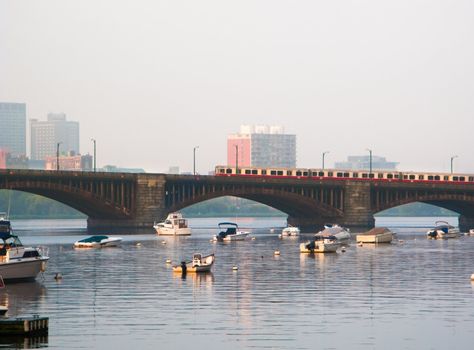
{"type": "Point", "coordinates": [418, 209]}
{"type": "Point", "coordinates": [26, 205]}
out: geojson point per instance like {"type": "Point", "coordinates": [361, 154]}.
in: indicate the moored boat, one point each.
{"type": "Point", "coordinates": [18, 262]}
{"type": "Point", "coordinates": [230, 232]}
{"type": "Point", "coordinates": [341, 234]}
{"type": "Point", "coordinates": [5, 226]}
{"type": "Point", "coordinates": [443, 230]}
{"type": "Point", "coordinates": [199, 263]}
{"type": "Point", "coordinates": [98, 242]}
{"type": "Point", "coordinates": [320, 245]}
{"type": "Point", "coordinates": [375, 235]}
{"type": "Point", "coordinates": [290, 231]}
{"type": "Point", "coordinates": [174, 225]}
{"type": "Point", "coordinates": [471, 232]}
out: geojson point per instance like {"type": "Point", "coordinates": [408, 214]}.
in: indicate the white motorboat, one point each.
{"type": "Point", "coordinates": [471, 232]}
{"type": "Point", "coordinates": [174, 225]}
{"type": "Point", "coordinates": [5, 226]}
{"type": "Point", "coordinates": [341, 234]}
{"type": "Point", "coordinates": [199, 263]}
{"type": "Point", "coordinates": [98, 242]}
{"type": "Point", "coordinates": [320, 245]}
{"type": "Point", "coordinates": [290, 231]}
{"type": "Point", "coordinates": [18, 262]}
{"type": "Point", "coordinates": [230, 232]}
{"type": "Point", "coordinates": [375, 235]}
{"type": "Point", "coordinates": [443, 230]}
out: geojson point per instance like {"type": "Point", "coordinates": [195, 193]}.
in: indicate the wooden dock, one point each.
{"type": "Point", "coordinates": [33, 325]}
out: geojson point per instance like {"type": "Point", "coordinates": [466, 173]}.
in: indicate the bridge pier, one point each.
{"type": "Point", "coordinates": [465, 223]}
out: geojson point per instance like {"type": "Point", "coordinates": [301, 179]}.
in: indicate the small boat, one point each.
{"type": "Point", "coordinates": [375, 235]}
{"type": "Point", "coordinates": [342, 234]}
{"type": "Point", "coordinates": [98, 242]}
{"type": "Point", "coordinates": [18, 262]}
{"type": "Point", "coordinates": [5, 226]}
{"type": "Point", "coordinates": [320, 245]}
{"type": "Point", "coordinates": [230, 232]}
{"type": "Point", "coordinates": [174, 225]}
{"type": "Point", "coordinates": [443, 230]}
{"type": "Point", "coordinates": [199, 263]}
{"type": "Point", "coordinates": [471, 232]}
{"type": "Point", "coordinates": [290, 231]}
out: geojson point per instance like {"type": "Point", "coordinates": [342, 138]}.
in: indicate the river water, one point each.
{"type": "Point", "coordinates": [412, 294]}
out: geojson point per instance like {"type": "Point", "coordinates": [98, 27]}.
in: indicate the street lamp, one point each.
{"type": "Point", "coordinates": [370, 161]}
{"type": "Point", "coordinates": [324, 153]}
{"type": "Point", "coordinates": [194, 159]}
{"type": "Point", "coordinates": [93, 140]}
{"type": "Point", "coordinates": [57, 155]}
{"type": "Point", "coordinates": [236, 159]}
{"type": "Point", "coordinates": [452, 158]}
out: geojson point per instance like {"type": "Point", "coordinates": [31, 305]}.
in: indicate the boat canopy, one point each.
{"type": "Point", "coordinates": [228, 224]}
{"type": "Point", "coordinates": [6, 235]}
{"type": "Point", "coordinates": [92, 239]}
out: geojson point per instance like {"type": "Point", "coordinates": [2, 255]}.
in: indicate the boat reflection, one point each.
{"type": "Point", "coordinates": [199, 280]}
{"type": "Point", "coordinates": [23, 342]}
{"type": "Point", "coordinates": [19, 297]}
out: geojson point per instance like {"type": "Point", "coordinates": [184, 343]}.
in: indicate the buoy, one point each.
{"type": "Point", "coordinates": [280, 236]}
{"type": "Point", "coordinates": [277, 252]}
{"type": "Point", "coordinates": [58, 276]}
{"type": "Point", "coordinates": [138, 244]}
{"type": "Point", "coordinates": [360, 244]}
{"type": "Point", "coordinates": [168, 261]}
{"type": "Point", "coordinates": [254, 238]}
{"type": "Point", "coordinates": [343, 249]}
{"type": "Point", "coordinates": [235, 268]}
{"type": "Point", "coordinates": [163, 242]}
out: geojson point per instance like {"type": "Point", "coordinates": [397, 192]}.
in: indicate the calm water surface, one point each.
{"type": "Point", "coordinates": [413, 294]}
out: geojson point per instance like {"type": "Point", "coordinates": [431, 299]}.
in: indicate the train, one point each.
{"type": "Point", "coordinates": [338, 174]}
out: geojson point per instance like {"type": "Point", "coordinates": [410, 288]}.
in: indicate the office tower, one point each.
{"type": "Point", "coordinates": [13, 128]}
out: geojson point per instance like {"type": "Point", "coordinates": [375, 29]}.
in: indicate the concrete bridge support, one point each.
{"type": "Point", "coordinates": [465, 223]}
{"type": "Point", "coordinates": [149, 206]}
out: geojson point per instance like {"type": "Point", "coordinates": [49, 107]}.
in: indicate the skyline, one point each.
{"type": "Point", "coordinates": [187, 75]}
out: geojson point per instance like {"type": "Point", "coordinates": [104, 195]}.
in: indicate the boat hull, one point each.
{"type": "Point", "coordinates": [203, 265]}
{"type": "Point", "coordinates": [380, 238]}
{"type": "Point", "coordinates": [319, 247]}
{"type": "Point", "coordinates": [111, 242]}
{"type": "Point", "coordinates": [232, 238]}
{"type": "Point", "coordinates": [22, 270]}
{"type": "Point", "coordinates": [165, 231]}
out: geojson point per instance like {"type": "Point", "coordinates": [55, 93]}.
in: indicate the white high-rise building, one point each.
{"type": "Point", "coordinates": [13, 128]}
{"type": "Point", "coordinates": [45, 136]}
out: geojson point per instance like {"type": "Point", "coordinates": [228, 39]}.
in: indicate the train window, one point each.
{"type": "Point", "coordinates": [228, 171]}
{"type": "Point", "coordinates": [314, 173]}
{"type": "Point", "coordinates": [364, 175]}
{"type": "Point", "coordinates": [280, 172]}
{"type": "Point", "coordinates": [471, 178]}
{"type": "Point", "coordinates": [289, 172]}
{"type": "Point", "coordinates": [222, 171]}
{"type": "Point", "coordinates": [264, 172]}
{"type": "Point", "coordinates": [380, 176]}
{"type": "Point", "coordinates": [389, 176]}
{"type": "Point", "coordinates": [273, 172]}
{"type": "Point", "coordinates": [437, 177]}
{"type": "Point", "coordinates": [321, 173]}
{"type": "Point", "coordinates": [355, 175]}
{"type": "Point", "coordinates": [339, 174]}
{"type": "Point", "coordinates": [412, 177]}
{"type": "Point", "coordinates": [421, 177]}
{"type": "Point", "coordinates": [405, 177]}
{"type": "Point", "coordinates": [298, 173]}
{"type": "Point", "coordinates": [455, 178]}
{"type": "Point", "coordinates": [430, 177]}
{"type": "Point", "coordinates": [397, 176]}
{"type": "Point", "coordinates": [446, 178]}
{"type": "Point", "coordinates": [330, 173]}
{"type": "Point", "coordinates": [254, 171]}
{"type": "Point", "coordinates": [247, 171]}
{"type": "Point", "coordinates": [371, 175]}
{"type": "Point", "coordinates": [346, 174]}
{"type": "Point", "coordinates": [462, 178]}
{"type": "Point", "coordinates": [305, 173]}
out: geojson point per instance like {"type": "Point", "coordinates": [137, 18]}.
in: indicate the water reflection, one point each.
{"type": "Point", "coordinates": [22, 297]}
{"type": "Point", "coordinates": [23, 342]}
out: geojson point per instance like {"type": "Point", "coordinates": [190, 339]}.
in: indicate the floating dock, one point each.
{"type": "Point", "coordinates": [33, 325]}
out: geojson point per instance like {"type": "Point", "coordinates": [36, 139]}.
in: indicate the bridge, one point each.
{"type": "Point", "coordinates": [120, 200]}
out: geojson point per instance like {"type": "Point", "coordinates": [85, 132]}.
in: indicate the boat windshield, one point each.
{"type": "Point", "coordinates": [10, 241]}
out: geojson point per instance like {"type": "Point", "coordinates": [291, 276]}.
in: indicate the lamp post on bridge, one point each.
{"type": "Point", "coordinates": [452, 158]}
{"type": "Point", "coordinates": [324, 153]}
{"type": "Point", "coordinates": [57, 155]}
{"type": "Point", "coordinates": [93, 140]}
{"type": "Point", "coordinates": [370, 161]}
{"type": "Point", "coordinates": [236, 159]}
{"type": "Point", "coordinates": [194, 159]}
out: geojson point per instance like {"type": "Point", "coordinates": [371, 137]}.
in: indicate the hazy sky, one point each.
{"type": "Point", "coordinates": [152, 79]}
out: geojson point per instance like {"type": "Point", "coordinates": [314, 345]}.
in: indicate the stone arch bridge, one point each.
{"type": "Point", "coordinates": [120, 200]}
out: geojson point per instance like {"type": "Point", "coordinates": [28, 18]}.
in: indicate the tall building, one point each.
{"type": "Point", "coordinates": [13, 128]}
{"type": "Point", "coordinates": [363, 163]}
{"type": "Point", "coordinates": [261, 146]}
{"type": "Point", "coordinates": [45, 136]}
